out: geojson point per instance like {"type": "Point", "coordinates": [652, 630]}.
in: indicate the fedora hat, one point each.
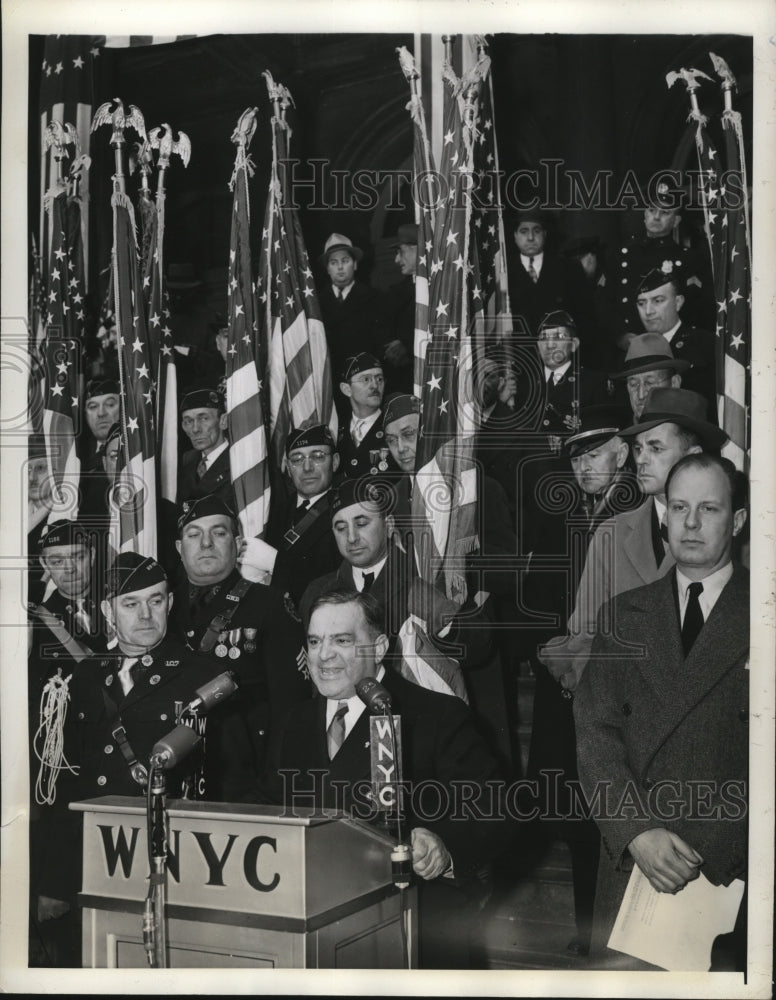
{"type": "Point", "coordinates": [650, 352]}
{"type": "Point", "coordinates": [406, 233]}
{"type": "Point", "coordinates": [683, 407]}
{"type": "Point", "coordinates": [339, 242]}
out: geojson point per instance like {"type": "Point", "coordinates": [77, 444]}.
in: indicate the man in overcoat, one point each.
{"type": "Point", "coordinates": [662, 712]}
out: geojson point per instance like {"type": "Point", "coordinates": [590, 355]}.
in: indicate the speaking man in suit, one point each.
{"type": "Point", "coordinates": [665, 701]}
{"type": "Point", "coordinates": [205, 468]}
{"type": "Point", "coordinates": [441, 748]}
{"type": "Point", "coordinates": [630, 549]}
{"type": "Point", "coordinates": [300, 546]}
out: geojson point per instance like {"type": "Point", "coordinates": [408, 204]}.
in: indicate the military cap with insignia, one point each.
{"type": "Point", "coordinates": [554, 322]}
{"type": "Point", "coordinates": [207, 506]}
{"type": "Point", "coordinates": [132, 571]}
{"type": "Point", "coordinates": [363, 490]}
{"type": "Point", "coordinates": [598, 424]}
{"type": "Point", "coordinates": [305, 437]}
{"type": "Point", "coordinates": [359, 363]}
{"type": "Point", "coordinates": [64, 533]}
{"type": "Point", "coordinates": [203, 399]}
{"type": "Point", "coordinates": [102, 387]}
{"type": "Point", "coordinates": [399, 406]}
{"type": "Point", "coordinates": [669, 270]}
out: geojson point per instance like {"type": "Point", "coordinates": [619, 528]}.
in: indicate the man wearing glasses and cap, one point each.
{"type": "Point", "coordinates": [300, 546]}
{"type": "Point", "coordinates": [361, 446]}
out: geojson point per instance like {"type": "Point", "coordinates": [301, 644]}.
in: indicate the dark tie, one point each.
{"type": "Point", "coordinates": [335, 734]}
{"type": "Point", "coordinates": [532, 271]}
{"type": "Point", "coordinates": [201, 468]}
{"type": "Point", "coordinates": [300, 511]}
{"type": "Point", "coordinates": [693, 617]}
{"type": "Point", "coordinates": [369, 579]}
{"type": "Point", "coordinates": [659, 537]}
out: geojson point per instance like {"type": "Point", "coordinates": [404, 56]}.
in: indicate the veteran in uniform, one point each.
{"type": "Point", "coordinates": [361, 445]}
{"type": "Point", "coordinates": [300, 545]}
{"type": "Point", "coordinates": [128, 699]}
{"type": "Point", "coordinates": [205, 468]}
{"type": "Point", "coordinates": [648, 249]}
{"type": "Point", "coordinates": [245, 627]}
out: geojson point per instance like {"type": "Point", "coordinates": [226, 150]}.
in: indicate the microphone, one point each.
{"type": "Point", "coordinates": [376, 698]}
{"type": "Point", "coordinates": [172, 748]}
{"type": "Point", "coordinates": [211, 693]}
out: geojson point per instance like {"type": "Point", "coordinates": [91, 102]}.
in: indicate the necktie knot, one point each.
{"type": "Point", "coordinates": [369, 579]}
{"type": "Point", "coordinates": [532, 273]}
{"type": "Point", "coordinates": [335, 734]}
{"type": "Point", "coordinates": [201, 467]}
{"type": "Point", "coordinates": [301, 510]}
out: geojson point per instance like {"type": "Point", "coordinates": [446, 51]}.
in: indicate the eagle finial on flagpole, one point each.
{"type": "Point", "coordinates": [690, 78]}
{"type": "Point", "coordinates": [161, 138]}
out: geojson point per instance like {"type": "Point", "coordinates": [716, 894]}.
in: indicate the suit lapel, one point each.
{"type": "Point", "coordinates": [352, 759]}
{"type": "Point", "coordinates": [637, 546]}
{"type": "Point", "coordinates": [663, 652]}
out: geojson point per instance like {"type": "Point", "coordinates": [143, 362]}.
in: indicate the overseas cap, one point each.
{"type": "Point", "coordinates": [359, 363]}
{"type": "Point", "coordinates": [64, 533]}
{"type": "Point", "coordinates": [130, 572]}
{"type": "Point", "coordinates": [198, 399]}
{"type": "Point", "coordinates": [399, 406]}
{"type": "Point", "coordinates": [192, 510]}
{"type": "Point", "coordinates": [314, 434]}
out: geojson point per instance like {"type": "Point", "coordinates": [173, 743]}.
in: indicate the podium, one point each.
{"type": "Point", "coordinates": [247, 887]}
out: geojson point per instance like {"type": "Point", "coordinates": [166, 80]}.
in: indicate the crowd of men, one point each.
{"type": "Point", "coordinates": [611, 560]}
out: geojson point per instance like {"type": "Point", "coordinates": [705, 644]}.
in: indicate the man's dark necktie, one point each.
{"type": "Point", "coordinates": [201, 468]}
{"type": "Point", "coordinates": [300, 511]}
{"type": "Point", "coordinates": [693, 617]}
{"type": "Point", "coordinates": [659, 537]}
{"type": "Point", "coordinates": [335, 734]}
{"type": "Point", "coordinates": [369, 579]}
{"type": "Point", "coordinates": [532, 273]}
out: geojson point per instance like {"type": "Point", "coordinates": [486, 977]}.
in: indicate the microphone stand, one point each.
{"type": "Point", "coordinates": [154, 925]}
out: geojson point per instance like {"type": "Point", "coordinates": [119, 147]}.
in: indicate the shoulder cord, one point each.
{"type": "Point", "coordinates": [50, 736]}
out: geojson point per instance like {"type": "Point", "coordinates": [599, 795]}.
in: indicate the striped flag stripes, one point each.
{"type": "Point", "coordinates": [248, 453]}
{"type": "Point", "coordinates": [299, 367]}
{"type": "Point", "coordinates": [137, 504]}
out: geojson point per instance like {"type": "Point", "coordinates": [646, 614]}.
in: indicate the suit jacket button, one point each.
{"type": "Point", "coordinates": [354, 461]}
{"type": "Point", "coordinates": [102, 780]}
{"type": "Point", "coordinates": [743, 715]}
{"type": "Point", "coordinates": [626, 709]}
{"type": "Point", "coordinates": [109, 748]}
{"type": "Point", "coordinates": [80, 715]}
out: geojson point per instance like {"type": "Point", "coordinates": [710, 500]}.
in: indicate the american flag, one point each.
{"type": "Point", "coordinates": [299, 368]}
{"type": "Point", "coordinates": [725, 205]}
{"type": "Point", "coordinates": [425, 192]}
{"type": "Point", "coordinates": [489, 295]}
{"type": "Point", "coordinates": [63, 388]}
{"type": "Point", "coordinates": [248, 455]}
{"type": "Point", "coordinates": [161, 350]}
{"type": "Point", "coordinates": [66, 95]}
{"type": "Point", "coordinates": [62, 353]}
{"type": "Point", "coordinates": [445, 492]}
{"type": "Point", "coordinates": [137, 531]}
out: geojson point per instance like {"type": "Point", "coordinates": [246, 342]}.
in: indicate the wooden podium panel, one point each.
{"type": "Point", "coordinates": [247, 887]}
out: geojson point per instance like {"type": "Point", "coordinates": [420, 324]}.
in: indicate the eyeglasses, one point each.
{"type": "Point", "coordinates": [634, 383]}
{"type": "Point", "coordinates": [316, 457]}
{"type": "Point", "coordinates": [366, 379]}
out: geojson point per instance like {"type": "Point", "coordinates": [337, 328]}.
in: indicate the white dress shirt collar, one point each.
{"type": "Point", "coordinates": [538, 260]}
{"type": "Point", "coordinates": [713, 585]}
{"type": "Point", "coordinates": [669, 334]}
{"type": "Point", "coordinates": [342, 292]}
{"type": "Point", "coordinates": [558, 373]}
{"type": "Point", "coordinates": [355, 706]}
{"type": "Point", "coordinates": [358, 572]}
{"type": "Point", "coordinates": [213, 455]}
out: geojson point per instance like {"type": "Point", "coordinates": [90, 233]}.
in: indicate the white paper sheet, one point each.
{"type": "Point", "coordinates": [675, 932]}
